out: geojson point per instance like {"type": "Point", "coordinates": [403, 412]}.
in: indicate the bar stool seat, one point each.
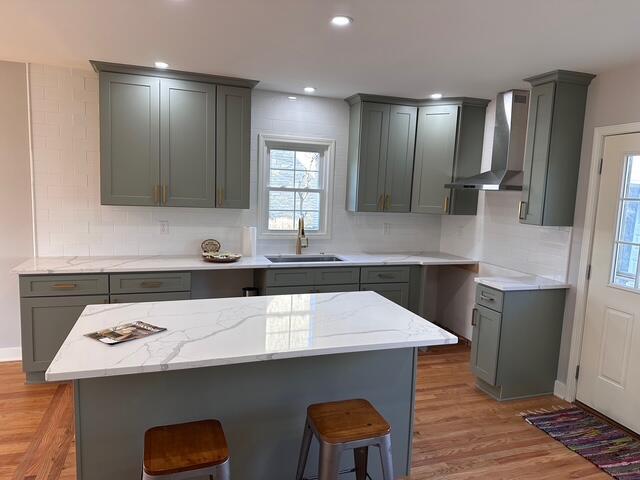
{"type": "Point", "coordinates": [186, 450]}
{"type": "Point", "coordinates": [347, 424]}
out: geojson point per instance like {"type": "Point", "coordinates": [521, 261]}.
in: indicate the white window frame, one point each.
{"type": "Point", "coordinates": [324, 146]}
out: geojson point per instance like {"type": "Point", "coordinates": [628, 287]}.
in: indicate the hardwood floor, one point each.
{"type": "Point", "coordinates": [460, 432]}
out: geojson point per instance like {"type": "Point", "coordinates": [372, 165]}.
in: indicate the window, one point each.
{"type": "Point", "coordinates": [295, 182]}
{"type": "Point", "coordinates": [627, 241]}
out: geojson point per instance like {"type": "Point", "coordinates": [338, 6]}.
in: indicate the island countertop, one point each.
{"type": "Point", "coordinates": [225, 331]}
{"type": "Point", "coordinates": [151, 263]}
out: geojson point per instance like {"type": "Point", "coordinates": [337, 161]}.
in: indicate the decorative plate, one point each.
{"type": "Point", "coordinates": [210, 246]}
{"type": "Point", "coordinates": [216, 257]}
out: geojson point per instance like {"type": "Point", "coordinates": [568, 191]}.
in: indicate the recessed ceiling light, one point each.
{"type": "Point", "coordinates": [341, 20]}
{"type": "Point", "coordinates": [161, 65]}
{"type": "Point", "coordinates": [436, 96]}
{"type": "Point", "coordinates": [309, 89]}
{"type": "Point", "coordinates": [291, 97]}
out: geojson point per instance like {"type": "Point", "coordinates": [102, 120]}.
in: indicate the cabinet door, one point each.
{"type": "Point", "coordinates": [233, 143]}
{"type": "Point", "coordinates": [435, 152]}
{"type": "Point", "coordinates": [46, 322]}
{"type": "Point", "coordinates": [373, 156]}
{"type": "Point", "coordinates": [396, 292]}
{"type": "Point", "coordinates": [351, 287]}
{"type": "Point", "coordinates": [129, 139]}
{"type": "Point", "coordinates": [399, 168]}
{"type": "Point", "coordinates": [537, 153]}
{"type": "Point", "coordinates": [485, 344]}
{"type": "Point", "coordinates": [187, 154]}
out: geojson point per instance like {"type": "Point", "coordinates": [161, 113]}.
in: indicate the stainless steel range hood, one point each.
{"type": "Point", "coordinates": [508, 146]}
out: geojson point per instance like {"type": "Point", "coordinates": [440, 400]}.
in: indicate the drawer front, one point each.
{"type": "Point", "coordinates": [489, 297]}
{"type": "Point", "coordinates": [150, 282]}
{"type": "Point", "coordinates": [46, 322]}
{"type": "Point", "coordinates": [384, 274]}
{"type": "Point", "coordinates": [336, 275]}
{"type": "Point", "coordinates": [281, 277]}
{"type": "Point", "coordinates": [351, 287]}
{"type": "Point", "coordinates": [396, 292]}
{"type": "Point", "coordinates": [63, 285]}
{"type": "Point", "coordinates": [149, 297]}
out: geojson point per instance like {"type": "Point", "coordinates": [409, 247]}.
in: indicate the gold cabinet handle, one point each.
{"type": "Point", "coordinates": [64, 286]}
{"type": "Point", "coordinates": [381, 203]}
{"type": "Point", "coordinates": [474, 321]}
{"type": "Point", "coordinates": [445, 205]}
{"type": "Point", "coordinates": [522, 208]}
{"type": "Point", "coordinates": [148, 284]}
{"type": "Point", "coordinates": [165, 194]}
{"type": "Point", "coordinates": [156, 194]}
{"type": "Point", "coordinates": [221, 196]}
{"type": "Point", "coordinates": [387, 202]}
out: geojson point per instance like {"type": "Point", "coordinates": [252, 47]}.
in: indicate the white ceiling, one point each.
{"type": "Point", "coordinates": [394, 47]}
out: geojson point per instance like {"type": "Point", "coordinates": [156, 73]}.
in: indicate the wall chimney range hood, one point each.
{"type": "Point", "coordinates": [508, 146]}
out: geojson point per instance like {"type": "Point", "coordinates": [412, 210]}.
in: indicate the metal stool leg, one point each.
{"type": "Point", "coordinates": [329, 461]}
{"type": "Point", "coordinates": [360, 456]}
{"type": "Point", "coordinates": [385, 457]}
{"type": "Point", "coordinates": [304, 450]}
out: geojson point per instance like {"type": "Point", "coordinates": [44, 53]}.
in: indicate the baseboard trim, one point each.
{"type": "Point", "coordinates": [10, 354]}
{"type": "Point", "coordinates": [560, 389]}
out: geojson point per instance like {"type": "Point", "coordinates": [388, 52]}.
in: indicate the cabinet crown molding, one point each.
{"type": "Point", "coordinates": [99, 67]}
{"type": "Point", "coordinates": [415, 102]}
{"type": "Point", "coordinates": [566, 76]}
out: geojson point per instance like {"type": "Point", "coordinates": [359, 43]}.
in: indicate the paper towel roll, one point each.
{"type": "Point", "coordinates": [248, 241]}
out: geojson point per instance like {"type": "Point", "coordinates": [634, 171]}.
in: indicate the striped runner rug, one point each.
{"type": "Point", "coordinates": [609, 448]}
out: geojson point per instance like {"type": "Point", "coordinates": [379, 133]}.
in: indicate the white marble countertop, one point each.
{"type": "Point", "coordinates": [521, 282]}
{"type": "Point", "coordinates": [70, 265]}
{"type": "Point", "coordinates": [224, 331]}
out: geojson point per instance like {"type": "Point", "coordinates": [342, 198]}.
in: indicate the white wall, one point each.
{"type": "Point", "coordinates": [71, 221]}
{"type": "Point", "coordinates": [613, 99]}
{"type": "Point", "coordinates": [16, 241]}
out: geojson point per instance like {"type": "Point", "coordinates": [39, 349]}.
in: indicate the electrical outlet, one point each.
{"type": "Point", "coordinates": [164, 227]}
{"type": "Point", "coordinates": [386, 229]}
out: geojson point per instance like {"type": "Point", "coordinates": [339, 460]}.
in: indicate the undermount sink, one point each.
{"type": "Point", "coordinates": [303, 258]}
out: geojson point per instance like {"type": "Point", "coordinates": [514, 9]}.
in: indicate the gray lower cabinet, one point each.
{"type": "Point", "coordinates": [552, 151]}
{"type": "Point", "coordinates": [232, 150]}
{"type": "Point", "coordinates": [173, 139]}
{"type": "Point", "coordinates": [187, 152]}
{"type": "Point", "coordinates": [294, 290]}
{"type": "Point", "coordinates": [516, 341]}
{"type": "Point", "coordinates": [129, 139]}
{"type": "Point", "coordinates": [46, 322]}
{"type": "Point", "coordinates": [396, 292]}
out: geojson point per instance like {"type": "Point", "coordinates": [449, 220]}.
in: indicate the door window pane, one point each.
{"type": "Point", "coordinates": [627, 242]}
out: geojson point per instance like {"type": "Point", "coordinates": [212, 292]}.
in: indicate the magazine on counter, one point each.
{"type": "Point", "coordinates": [124, 333]}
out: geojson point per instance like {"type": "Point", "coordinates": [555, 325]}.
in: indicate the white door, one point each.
{"type": "Point", "coordinates": [610, 361]}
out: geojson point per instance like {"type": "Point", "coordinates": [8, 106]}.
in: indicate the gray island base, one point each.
{"type": "Point", "coordinates": [253, 363]}
{"type": "Point", "coordinates": [261, 405]}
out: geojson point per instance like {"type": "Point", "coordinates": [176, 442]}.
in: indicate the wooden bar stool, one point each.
{"type": "Point", "coordinates": [348, 424]}
{"type": "Point", "coordinates": [186, 450]}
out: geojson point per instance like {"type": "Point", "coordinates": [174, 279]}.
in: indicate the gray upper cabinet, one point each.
{"type": "Point", "coordinates": [175, 139]}
{"type": "Point", "coordinates": [129, 147]}
{"type": "Point", "coordinates": [381, 147]}
{"type": "Point", "coordinates": [233, 141]}
{"type": "Point", "coordinates": [448, 147]}
{"type": "Point", "coordinates": [552, 152]}
{"type": "Point", "coordinates": [436, 144]}
{"type": "Point", "coordinates": [187, 153]}
{"type": "Point", "coordinates": [403, 151]}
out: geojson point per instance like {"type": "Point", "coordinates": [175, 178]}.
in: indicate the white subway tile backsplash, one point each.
{"type": "Point", "coordinates": [71, 221]}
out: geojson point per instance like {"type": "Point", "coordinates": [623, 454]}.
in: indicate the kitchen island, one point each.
{"type": "Point", "coordinates": [253, 363]}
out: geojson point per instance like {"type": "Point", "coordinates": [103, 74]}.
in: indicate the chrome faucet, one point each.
{"type": "Point", "coordinates": [301, 240]}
